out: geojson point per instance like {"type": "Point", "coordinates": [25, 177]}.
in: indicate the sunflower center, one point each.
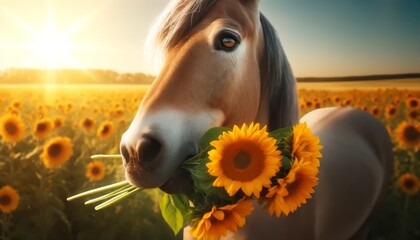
{"type": "Point", "coordinates": [392, 111]}
{"type": "Point", "coordinates": [242, 160]}
{"type": "Point", "coordinates": [58, 123]}
{"type": "Point", "coordinates": [105, 130]}
{"type": "Point", "coordinates": [88, 123]}
{"type": "Point", "coordinates": [40, 127]}
{"type": "Point", "coordinates": [411, 134]}
{"type": "Point", "coordinates": [95, 170]}
{"type": "Point", "coordinates": [409, 184]}
{"type": "Point", "coordinates": [5, 200]}
{"type": "Point", "coordinates": [54, 150]}
{"type": "Point", "coordinates": [16, 104]}
{"type": "Point", "coordinates": [413, 114]}
{"type": "Point", "coordinates": [413, 103]}
{"type": "Point", "coordinates": [11, 128]}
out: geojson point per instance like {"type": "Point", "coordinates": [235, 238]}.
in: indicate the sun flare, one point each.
{"type": "Point", "coordinates": [48, 43]}
{"type": "Point", "coordinates": [53, 47]}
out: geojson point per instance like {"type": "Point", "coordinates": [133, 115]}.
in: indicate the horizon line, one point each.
{"type": "Point", "coordinates": [374, 76]}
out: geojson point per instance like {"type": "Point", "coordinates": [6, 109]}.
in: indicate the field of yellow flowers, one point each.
{"type": "Point", "coordinates": [47, 135]}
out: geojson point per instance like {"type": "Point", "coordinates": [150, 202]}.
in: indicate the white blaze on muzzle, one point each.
{"type": "Point", "coordinates": [156, 143]}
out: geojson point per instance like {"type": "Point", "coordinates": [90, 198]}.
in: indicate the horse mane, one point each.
{"type": "Point", "coordinates": [277, 80]}
{"type": "Point", "coordinates": [178, 19]}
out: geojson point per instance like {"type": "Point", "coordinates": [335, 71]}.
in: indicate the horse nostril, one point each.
{"type": "Point", "coordinates": [125, 154]}
{"type": "Point", "coordinates": [148, 149]}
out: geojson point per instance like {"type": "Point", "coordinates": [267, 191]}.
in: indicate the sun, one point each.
{"type": "Point", "coordinates": [50, 44]}
{"type": "Point", "coordinates": [53, 47]}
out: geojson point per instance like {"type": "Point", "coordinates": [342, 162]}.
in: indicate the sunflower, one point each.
{"type": "Point", "coordinates": [308, 104]}
{"type": "Point", "coordinates": [56, 152]}
{"type": "Point", "coordinates": [42, 128]}
{"type": "Point", "coordinates": [413, 114]}
{"type": "Point", "coordinates": [396, 101]}
{"type": "Point", "coordinates": [95, 171]}
{"type": "Point", "coordinates": [12, 128]}
{"type": "Point", "coordinates": [122, 122]}
{"type": "Point", "coordinates": [408, 134]}
{"type": "Point", "coordinates": [244, 158]}
{"type": "Point", "coordinates": [88, 124]}
{"type": "Point", "coordinates": [346, 102]}
{"type": "Point", "coordinates": [375, 111]}
{"type": "Point", "coordinates": [216, 223]}
{"type": "Point", "coordinates": [412, 103]}
{"type": "Point", "coordinates": [305, 146]}
{"type": "Point", "coordinates": [117, 113]}
{"type": "Point", "coordinates": [390, 111]}
{"type": "Point", "coordinates": [13, 111]}
{"type": "Point", "coordinates": [16, 104]}
{"type": "Point", "coordinates": [9, 199]}
{"type": "Point", "coordinates": [293, 190]}
{"type": "Point", "coordinates": [106, 129]}
{"type": "Point", "coordinates": [58, 122]}
{"type": "Point", "coordinates": [409, 183]}
{"type": "Point", "coordinates": [69, 107]}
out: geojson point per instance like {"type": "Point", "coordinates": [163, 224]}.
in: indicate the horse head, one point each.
{"type": "Point", "coordinates": [223, 65]}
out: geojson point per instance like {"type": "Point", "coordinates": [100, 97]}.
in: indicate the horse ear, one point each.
{"type": "Point", "coordinates": [277, 81]}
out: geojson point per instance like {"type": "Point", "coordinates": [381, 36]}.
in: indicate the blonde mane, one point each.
{"type": "Point", "coordinates": [176, 21]}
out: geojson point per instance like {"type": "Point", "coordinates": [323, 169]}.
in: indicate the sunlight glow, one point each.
{"type": "Point", "coordinates": [53, 47]}
{"type": "Point", "coordinates": [50, 46]}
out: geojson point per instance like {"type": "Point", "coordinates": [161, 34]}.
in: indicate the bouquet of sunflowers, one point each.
{"type": "Point", "coordinates": [234, 167]}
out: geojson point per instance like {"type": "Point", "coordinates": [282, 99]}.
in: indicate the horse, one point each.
{"type": "Point", "coordinates": [223, 64]}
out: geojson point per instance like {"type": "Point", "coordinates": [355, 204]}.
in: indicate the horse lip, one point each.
{"type": "Point", "coordinates": [179, 182]}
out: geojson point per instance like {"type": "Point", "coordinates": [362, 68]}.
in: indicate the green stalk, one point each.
{"type": "Point", "coordinates": [111, 194]}
{"type": "Point", "coordinates": [116, 199]}
{"type": "Point", "coordinates": [97, 190]}
{"type": "Point", "coordinates": [105, 156]}
{"type": "Point", "coordinates": [5, 224]}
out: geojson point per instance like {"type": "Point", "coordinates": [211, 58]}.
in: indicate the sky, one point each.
{"type": "Point", "coordinates": [321, 38]}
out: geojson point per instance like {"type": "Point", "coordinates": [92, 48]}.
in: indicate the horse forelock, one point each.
{"type": "Point", "coordinates": [178, 19]}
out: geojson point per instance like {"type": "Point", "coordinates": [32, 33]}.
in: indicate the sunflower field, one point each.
{"type": "Point", "coordinates": [47, 135]}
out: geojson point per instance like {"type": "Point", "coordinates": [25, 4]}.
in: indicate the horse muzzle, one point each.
{"type": "Point", "coordinates": [149, 163]}
{"type": "Point", "coordinates": [156, 144]}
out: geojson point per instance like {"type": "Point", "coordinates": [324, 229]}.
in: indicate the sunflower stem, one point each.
{"type": "Point", "coordinates": [5, 224]}
{"type": "Point", "coordinates": [100, 189]}
{"type": "Point", "coordinates": [116, 199]}
{"type": "Point", "coordinates": [105, 156]}
{"type": "Point", "coordinates": [111, 194]}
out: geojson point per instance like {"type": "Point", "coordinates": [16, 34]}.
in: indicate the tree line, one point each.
{"type": "Point", "coordinates": [71, 76]}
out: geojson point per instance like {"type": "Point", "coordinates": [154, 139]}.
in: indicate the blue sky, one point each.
{"type": "Point", "coordinates": [321, 38]}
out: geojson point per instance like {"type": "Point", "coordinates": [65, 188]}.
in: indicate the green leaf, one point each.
{"type": "Point", "coordinates": [281, 133]}
{"type": "Point", "coordinates": [287, 164]}
{"type": "Point", "coordinates": [284, 137]}
{"type": "Point", "coordinates": [203, 181]}
{"type": "Point", "coordinates": [175, 209]}
{"type": "Point", "coordinates": [211, 135]}
{"type": "Point", "coordinates": [181, 202]}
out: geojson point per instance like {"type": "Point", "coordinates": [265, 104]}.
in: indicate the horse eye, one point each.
{"type": "Point", "coordinates": [227, 41]}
